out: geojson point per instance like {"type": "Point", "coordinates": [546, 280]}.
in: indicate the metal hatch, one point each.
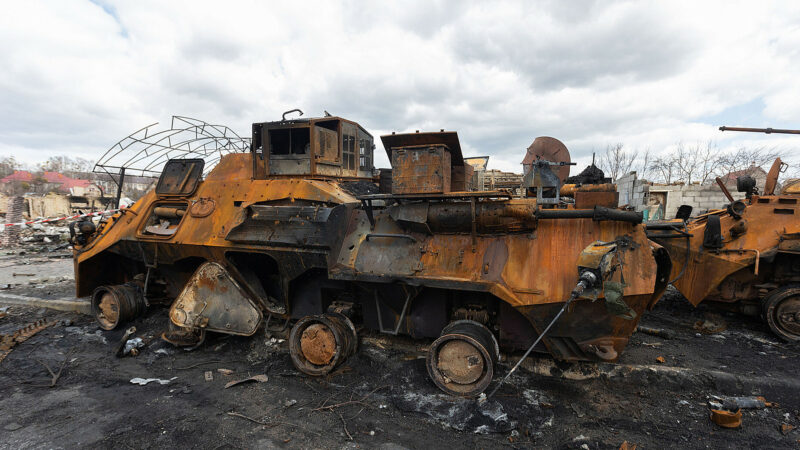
{"type": "Point", "coordinates": [180, 177]}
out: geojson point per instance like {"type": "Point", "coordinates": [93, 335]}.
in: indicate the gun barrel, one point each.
{"type": "Point", "coordinates": [760, 130]}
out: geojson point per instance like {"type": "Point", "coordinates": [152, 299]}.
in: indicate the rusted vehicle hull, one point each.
{"type": "Point", "coordinates": [747, 260]}
{"type": "Point", "coordinates": [520, 278]}
{"type": "Point", "coordinates": [476, 271]}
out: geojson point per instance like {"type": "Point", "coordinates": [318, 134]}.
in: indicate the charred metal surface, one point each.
{"type": "Point", "coordinates": [421, 169]}
{"type": "Point", "coordinates": [283, 225]}
{"type": "Point", "coordinates": [296, 230]}
{"type": "Point", "coordinates": [746, 254]}
{"type": "Point", "coordinates": [317, 344]}
{"type": "Point", "coordinates": [115, 305]}
{"type": "Point", "coordinates": [462, 360]}
{"type": "Point", "coordinates": [212, 300]}
{"type": "Point", "coordinates": [180, 177]}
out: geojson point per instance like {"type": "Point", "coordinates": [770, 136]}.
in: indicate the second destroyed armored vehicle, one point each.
{"type": "Point", "coordinates": [298, 230]}
{"type": "Point", "coordinates": [745, 257]}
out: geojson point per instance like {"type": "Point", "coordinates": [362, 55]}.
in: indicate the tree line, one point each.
{"type": "Point", "coordinates": [687, 163]}
{"type": "Point", "coordinates": [67, 165]}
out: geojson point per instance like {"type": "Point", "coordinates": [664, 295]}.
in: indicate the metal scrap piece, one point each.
{"type": "Point", "coordinates": [258, 378]}
{"type": "Point", "coordinates": [8, 341]}
{"type": "Point", "coordinates": [144, 381]}
{"type": "Point", "coordinates": [727, 419]}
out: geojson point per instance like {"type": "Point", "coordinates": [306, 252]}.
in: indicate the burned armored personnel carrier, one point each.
{"type": "Point", "coordinates": [297, 230]}
{"type": "Point", "coordinates": [745, 257]}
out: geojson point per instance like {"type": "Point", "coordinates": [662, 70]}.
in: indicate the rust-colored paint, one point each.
{"type": "Point", "coordinates": [726, 419]}
{"type": "Point", "coordinates": [485, 245]}
{"type": "Point", "coordinates": [539, 270]}
{"type": "Point", "coordinates": [230, 188]}
{"type": "Point", "coordinates": [318, 344]}
{"type": "Point", "coordinates": [768, 227]}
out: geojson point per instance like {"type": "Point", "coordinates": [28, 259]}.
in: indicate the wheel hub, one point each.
{"type": "Point", "coordinates": [460, 362]}
{"type": "Point", "coordinates": [318, 344]}
{"type": "Point", "coordinates": [788, 314]}
{"type": "Point", "coordinates": [108, 310]}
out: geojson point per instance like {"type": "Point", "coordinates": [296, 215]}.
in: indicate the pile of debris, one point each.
{"type": "Point", "coordinates": [45, 234]}
{"type": "Point", "coordinates": [37, 237]}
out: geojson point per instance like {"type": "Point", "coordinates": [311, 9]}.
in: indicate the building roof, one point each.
{"type": "Point", "coordinates": [65, 183]}
{"type": "Point", "coordinates": [752, 171]}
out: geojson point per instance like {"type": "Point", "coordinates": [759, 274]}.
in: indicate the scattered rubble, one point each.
{"type": "Point", "coordinates": [144, 381]}
{"type": "Point", "coordinates": [711, 324]}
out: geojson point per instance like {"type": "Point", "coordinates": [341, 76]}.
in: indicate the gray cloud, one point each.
{"type": "Point", "coordinates": [79, 76]}
{"type": "Point", "coordinates": [562, 49]}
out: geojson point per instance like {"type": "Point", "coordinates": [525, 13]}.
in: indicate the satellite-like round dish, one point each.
{"type": "Point", "coordinates": [549, 149]}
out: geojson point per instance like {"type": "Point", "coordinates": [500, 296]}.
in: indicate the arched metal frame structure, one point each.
{"type": "Point", "coordinates": [145, 151]}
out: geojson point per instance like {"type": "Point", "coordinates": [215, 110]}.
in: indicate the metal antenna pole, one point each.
{"type": "Point", "coordinates": [587, 279]}
{"type": "Point", "coordinates": [530, 349]}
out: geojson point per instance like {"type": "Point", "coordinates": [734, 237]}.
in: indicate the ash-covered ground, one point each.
{"type": "Point", "coordinates": [381, 397]}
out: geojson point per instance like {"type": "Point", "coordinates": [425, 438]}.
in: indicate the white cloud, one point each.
{"type": "Point", "coordinates": [77, 76]}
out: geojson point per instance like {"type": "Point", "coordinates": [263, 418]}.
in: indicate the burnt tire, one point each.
{"type": "Point", "coordinates": [462, 360]}
{"type": "Point", "coordinates": [782, 312]}
{"type": "Point", "coordinates": [115, 305]}
{"type": "Point", "coordinates": [317, 344]}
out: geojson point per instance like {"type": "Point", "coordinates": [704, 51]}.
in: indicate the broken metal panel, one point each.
{"type": "Point", "coordinates": [214, 301]}
{"type": "Point", "coordinates": [421, 169]}
{"type": "Point", "coordinates": [461, 178]}
{"type": "Point", "coordinates": [289, 225]}
{"type": "Point", "coordinates": [289, 165]}
{"type": "Point", "coordinates": [327, 142]}
{"type": "Point", "coordinates": [586, 200]}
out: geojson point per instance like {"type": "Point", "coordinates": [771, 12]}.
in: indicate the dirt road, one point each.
{"type": "Point", "coordinates": [382, 397]}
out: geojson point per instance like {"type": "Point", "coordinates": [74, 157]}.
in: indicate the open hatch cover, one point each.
{"type": "Point", "coordinates": [180, 177]}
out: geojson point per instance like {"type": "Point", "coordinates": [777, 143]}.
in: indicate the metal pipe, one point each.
{"type": "Point", "coordinates": [389, 235]}
{"type": "Point", "coordinates": [569, 190]}
{"type": "Point", "coordinates": [740, 250]}
{"type": "Point", "coordinates": [599, 213]}
{"type": "Point", "coordinates": [169, 212]}
{"type": "Point", "coordinates": [119, 185]}
{"type": "Point", "coordinates": [760, 130]}
{"type": "Point", "coordinates": [724, 189]}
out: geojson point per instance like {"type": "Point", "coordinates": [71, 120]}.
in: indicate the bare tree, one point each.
{"type": "Point", "coordinates": [67, 165]}
{"type": "Point", "coordinates": [644, 164]}
{"type": "Point", "coordinates": [743, 158]}
{"type": "Point", "coordinates": [688, 164]}
{"type": "Point", "coordinates": [8, 164]}
{"type": "Point", "coordinates": [616, 161]}
{"type": "Point", "coordinates": [697, 162]}
{"type": "Point", "coordinates": [664, 168]}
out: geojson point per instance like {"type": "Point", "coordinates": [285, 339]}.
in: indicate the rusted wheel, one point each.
{"type": "Point", "coordinates": [461, 361]}
{"type": "Point", "coordinates": [115, 305]}
{"type": "Point", "coordinates": [782, 311]}
{"type": "Point", "coordinates": [317, 344]}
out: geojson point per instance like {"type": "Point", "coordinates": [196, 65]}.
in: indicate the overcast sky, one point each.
{"type": "Point", "coordinates": [76, 76]}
